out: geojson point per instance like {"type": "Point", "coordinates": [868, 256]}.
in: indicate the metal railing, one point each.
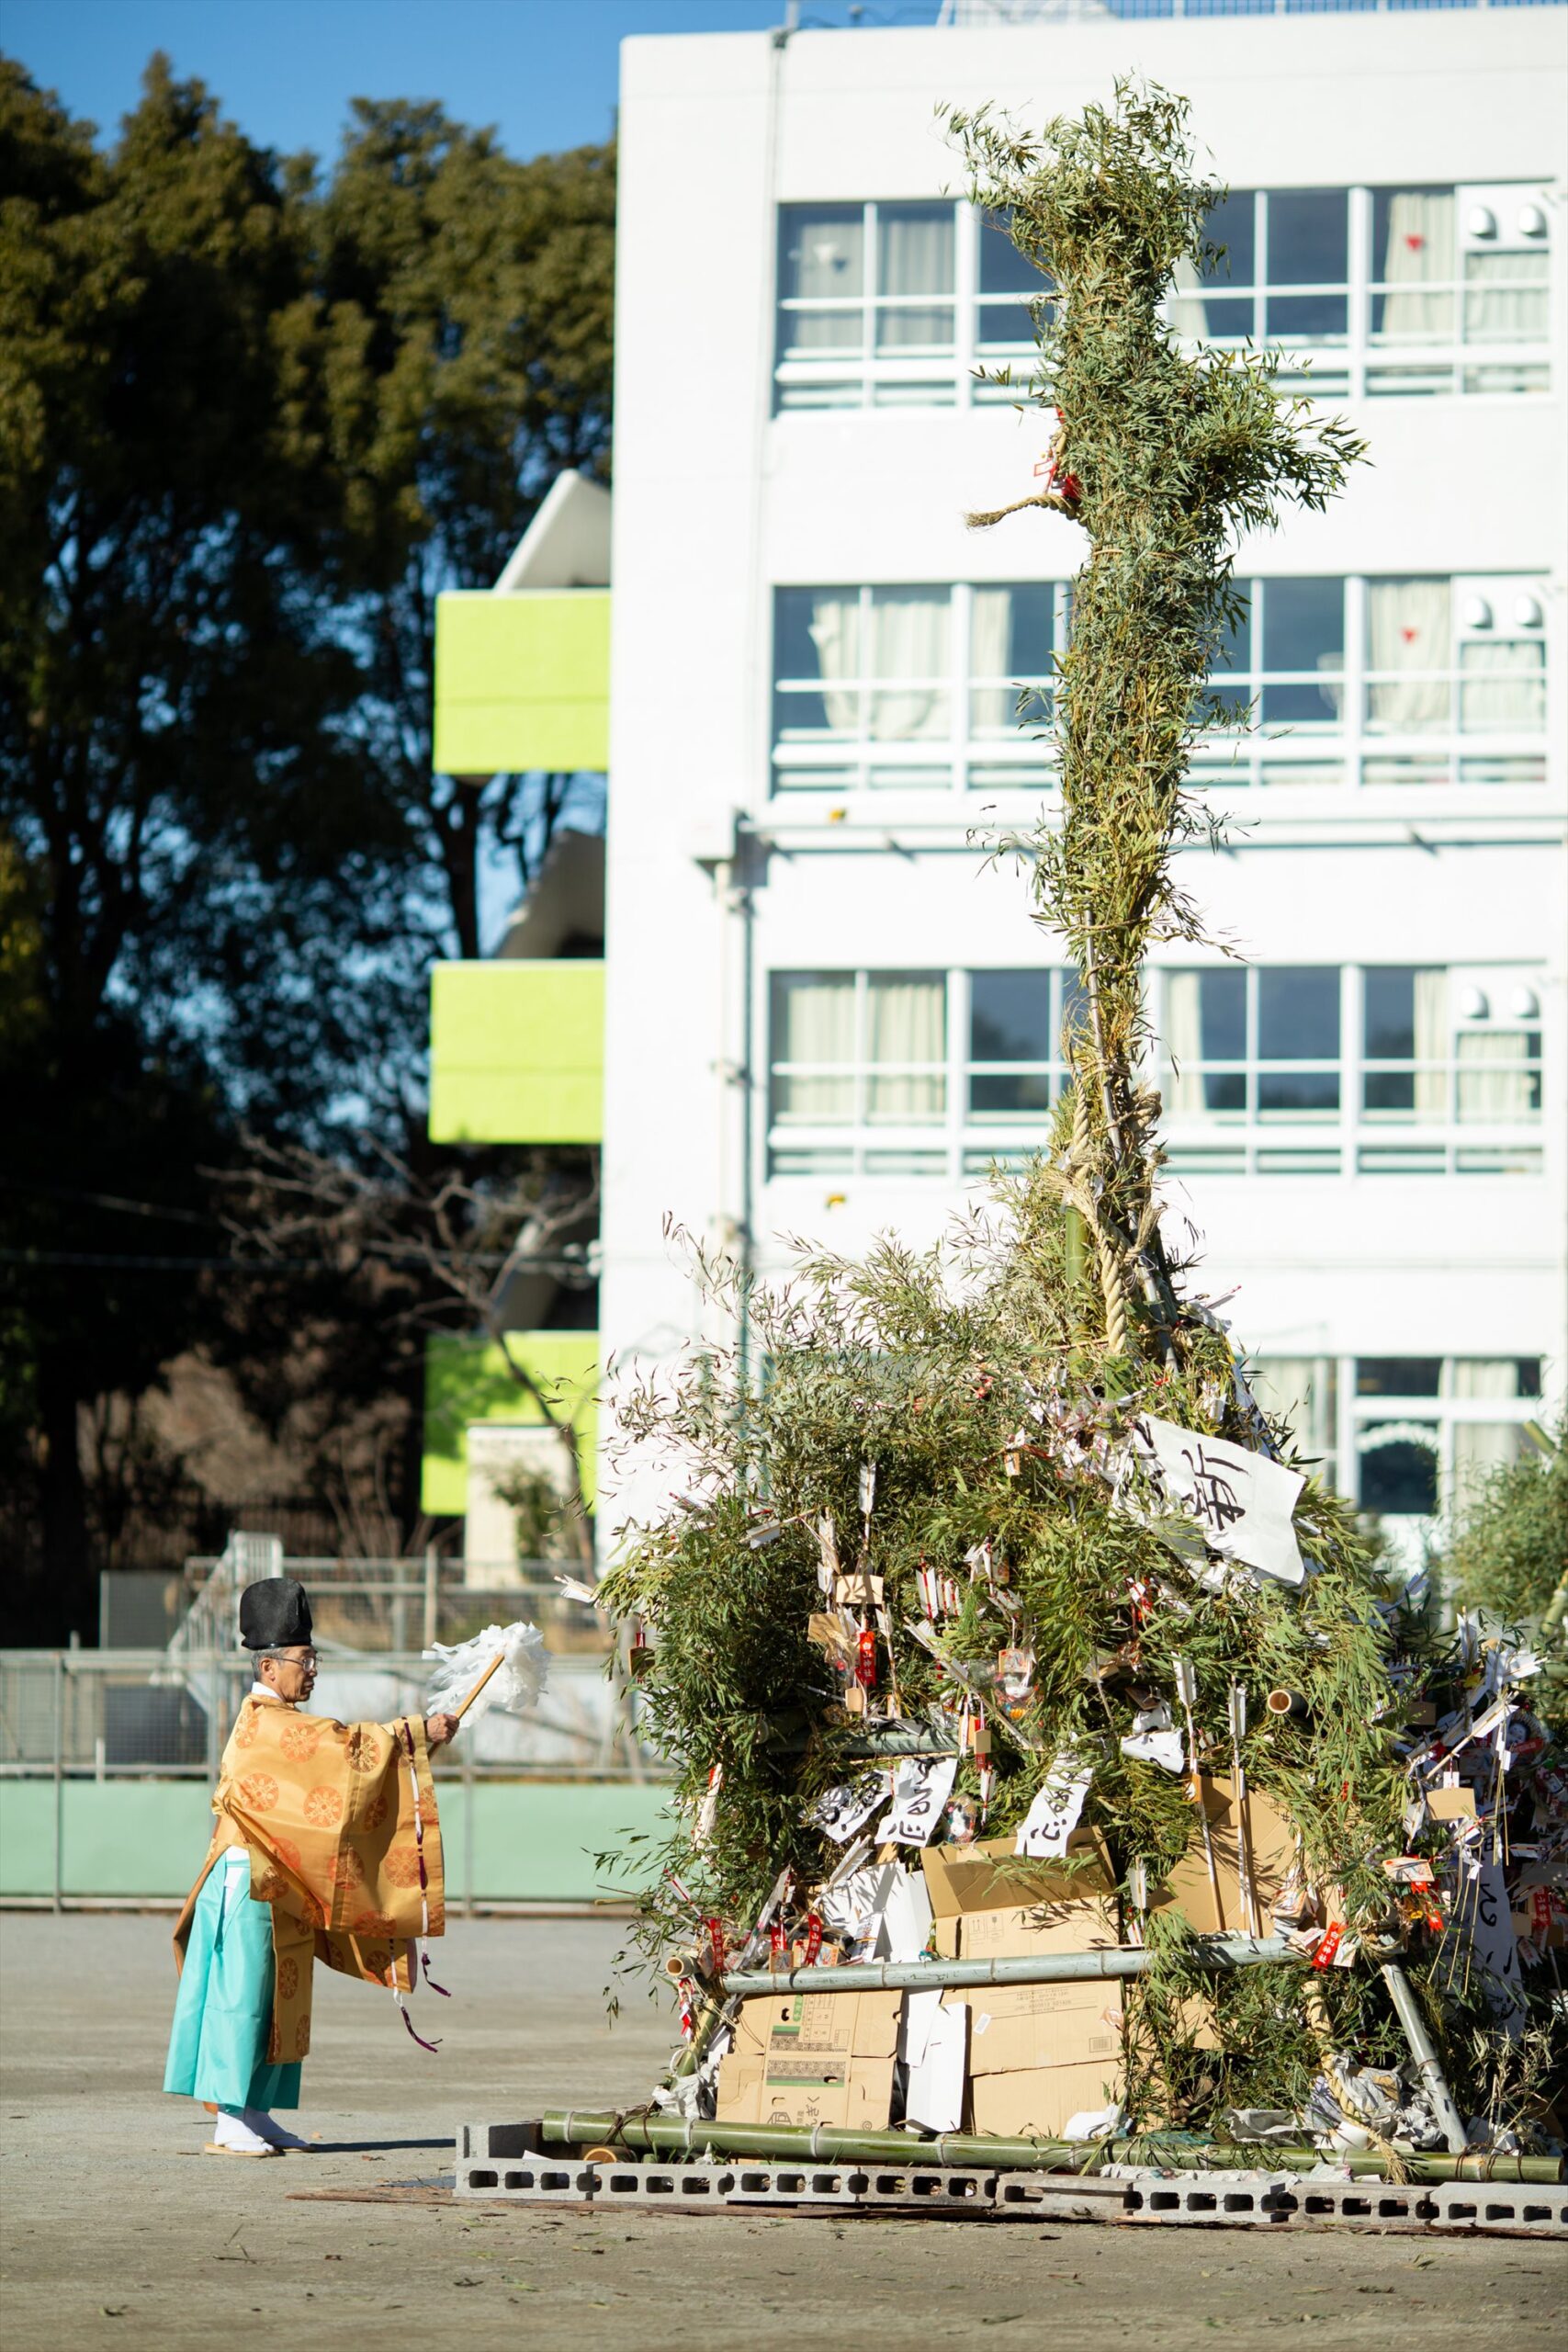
{"type": "Point", "coordinates": [128, 1714]}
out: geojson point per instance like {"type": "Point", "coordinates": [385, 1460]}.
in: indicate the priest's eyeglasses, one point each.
{"type": "Point", "coordinates": [290, 1657]}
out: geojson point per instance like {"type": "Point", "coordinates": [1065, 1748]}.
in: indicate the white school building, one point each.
{"type": "Point", "coordinates": [824, 1015]}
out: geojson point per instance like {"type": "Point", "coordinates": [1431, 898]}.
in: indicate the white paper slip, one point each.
{"type": "Point", "coordinates": [906, 1915]}
{"type": "Point", "coordinates": [921, 1786]}
{"type": "Point", "coordinates": [842, 1810]}
{"type": "Point", "coordinates": [934, 2095]}
{"type": "Point", "coordinates": [1054, 1816]}
{"type": "Point", "coordinates": [1161, 1748]}
{"type": "Point", "coordinates": [1242, 1501]}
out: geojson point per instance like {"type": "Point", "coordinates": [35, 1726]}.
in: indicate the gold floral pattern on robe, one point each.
{"type": "Point", "coordinates": [326, 1811]}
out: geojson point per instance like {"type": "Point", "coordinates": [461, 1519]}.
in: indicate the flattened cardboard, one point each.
{"type": "Point", "coordinates": [1037, 2106]}
{"type": "Point", "coordinates": [1272, 1845]}
{"type": "Point", "coordinates": [1039, 2053]}
{"type": "Point", "coordinates": [812, 2058]}
{"type": "Point", "coordinates": [1014, 2027]}
{"type": "Point", "coordinates": [1080, 1926]}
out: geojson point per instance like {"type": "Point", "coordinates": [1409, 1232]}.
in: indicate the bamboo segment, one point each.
{"type": "Point", "coordinates": [1041, 1968]}
{"type": "Point", "coordinates": [673, 2135]}
{"type": "Point", "coordinates": [1409, 2013]}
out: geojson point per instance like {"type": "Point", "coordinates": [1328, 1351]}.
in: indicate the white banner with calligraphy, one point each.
{"type": "Point", "coordinates": [1242, 1501]}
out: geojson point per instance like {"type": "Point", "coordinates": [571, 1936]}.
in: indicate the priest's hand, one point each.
{"type": "Point", "coordinates": [439, 1729]}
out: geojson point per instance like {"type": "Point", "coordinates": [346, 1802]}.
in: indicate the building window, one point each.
{"type": "Point", "coordinates": [1402, 291]}
{"type": "Point", "coordinates": [1374, 681]}
{"type": "Point", "coordinates": [913, 1074]}
{"type": "Point", "coordinates": [1383, 290]}
{"type": "Point", "coordinates": [898, 305]}
{"type": "Point", "coordinates": [913, 688]}
{"type": "Point", "coordinates": [1362, 683]}
{"type": "Point", "coordinates": [1404, 1437]}
{"type": "Point", "coordinates": [1380, 1069]}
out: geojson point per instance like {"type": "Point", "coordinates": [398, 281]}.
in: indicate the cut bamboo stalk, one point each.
{"type": "Point", "coordinates": [1034, 1968]}
{"type": "Point", "coordinates": [1408, 2010]}
{"type": "Point", "coordinates": [677, 2136]}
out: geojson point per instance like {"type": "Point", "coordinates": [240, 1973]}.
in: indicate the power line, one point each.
{"type": "Point", "coordinates": [481, 1259]}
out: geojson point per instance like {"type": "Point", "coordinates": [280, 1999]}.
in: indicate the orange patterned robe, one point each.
{"type": "Point", "coordinates": [327, 1811]}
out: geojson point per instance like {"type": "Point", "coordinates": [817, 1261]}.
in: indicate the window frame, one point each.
{"type": "Point", "coordinates": [959, 1146]}
{"type": "Point", "coordinates": [959, 762]}
{"type": "Point", "coordinates": [1359, 363]}
{"type": "Point", "coordinates": [1357, 752]}
{"type": "Point", "coordinates": [1352, 1141]}
{"type": "Point", "coordinates": [1352, 1416]}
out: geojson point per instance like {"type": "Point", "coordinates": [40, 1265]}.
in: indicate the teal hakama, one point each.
{"type": "Point", "coordinates": [223, 2009]}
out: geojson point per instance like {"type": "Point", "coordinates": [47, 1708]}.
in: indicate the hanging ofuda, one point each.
{"type": "Point", "coordinates": [1048, 1612]}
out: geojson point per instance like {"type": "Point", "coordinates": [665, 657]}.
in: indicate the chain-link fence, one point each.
{"type": "Point", "coordinates": [165, 1707]}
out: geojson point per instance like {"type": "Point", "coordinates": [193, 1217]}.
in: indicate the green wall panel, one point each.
{"type": "Point", "coordinates": [537, 1844]}
{"type": "Point", "coordinates": [517, 1051]}
{"type": "Point", "coordinates": [505, 1841]}
{"type": "Point", "coordinates": [522, 682]}
{"type": "Point", "coordinates": [466, 1380]}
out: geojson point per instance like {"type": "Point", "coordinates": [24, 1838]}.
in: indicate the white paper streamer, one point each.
{"type": "Point", "coordinates": [516, 1685]}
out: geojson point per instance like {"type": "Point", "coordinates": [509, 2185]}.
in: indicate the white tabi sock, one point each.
{"type": "Point", "coordinates": [258, 2120]}
{"type": "Point", "coordinates": [233, 2136]}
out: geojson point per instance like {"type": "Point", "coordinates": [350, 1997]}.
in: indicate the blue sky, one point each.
{"type": "Point", "coordinates": [544, 71]}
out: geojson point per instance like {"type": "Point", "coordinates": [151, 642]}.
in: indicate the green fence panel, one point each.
{"type": "Point", "coordinates": [505, 1841]}
{"type": "Point", "coordinates": [511, 1842]}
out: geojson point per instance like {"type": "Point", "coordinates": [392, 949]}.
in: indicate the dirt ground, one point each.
{"type": "Point", "coordinates": [117, 2230]}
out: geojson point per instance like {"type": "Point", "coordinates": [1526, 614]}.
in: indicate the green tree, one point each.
{"type": "Point", "coordinates": [1508, 1550]}
{"type": "Point", "coordinates": [252, 419]}
{"type": "Point", "coordinates": [454, 358]}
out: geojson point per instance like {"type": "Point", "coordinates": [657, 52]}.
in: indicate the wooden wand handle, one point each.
{"type": "Point", "coordinates": [498, 1659]}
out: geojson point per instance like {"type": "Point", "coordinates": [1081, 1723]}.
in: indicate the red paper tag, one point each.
{"type": "Point", "coordinates": [776, 1955]}
{"type": "Point", "coordinates": [865, 1660]}
{"type": "Point", "coordinates": [1541, 1910]}
{"type": "Point", "coordinates": [813, 1937]}
{"type": "Point", "coordinates": [716, 1945]}
{"type": "Point", "coordinates": [1333, 1938]}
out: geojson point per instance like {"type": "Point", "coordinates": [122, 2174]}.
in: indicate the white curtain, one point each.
{"type": "Point", "coordinates": [828, 250]}
{"type": "Point", "coordinates": [1300, 1390]}
{"type": "Point", "coordinates": [835, 628]}
{"type": "Point", "coordinates": [990, 636]}
{"type": "Point", "coordinates": [1409, 633]}
{"type": "Point", "coordinates": [1184, 304]}
{"type": "Point", "coordinates": [1183, 1041]}
{"type": "Point", "coordinates": [1474, 1380]}
{"type": "Point", "coordinates": [814, 1021]}
{"type": "Point", "coordinates": [1504, 685]}
{"type": "Point", "coordinates": [1505, 298]}
{"type": "Point", "coordinates": [1419, 250]}
{"type": "Point", "coordinates": [1494, 1081]}
{"type": "Point", "coordinates": [911, 637]}
{"type": "Point", "coordinates": [906, 1020]}
{"type": "Point", "coordinates": [916, 257]}
{"type": "Point", "coordinates": [1431, 994]}
{"type": "Point", "coordinates": [827, 254]}
{"type": "Point", "coordinates": [1482, 1446]}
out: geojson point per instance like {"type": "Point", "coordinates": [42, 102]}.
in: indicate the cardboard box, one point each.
{"type": "Point", "coordinates": [1027, 1905]}
{"type": "Point", "coordinates": [1272, 1845]}
{"type": "Point", "coordinates": [812, 2058]}
{"type": "Point", "coordinates": [1042, 2054]}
